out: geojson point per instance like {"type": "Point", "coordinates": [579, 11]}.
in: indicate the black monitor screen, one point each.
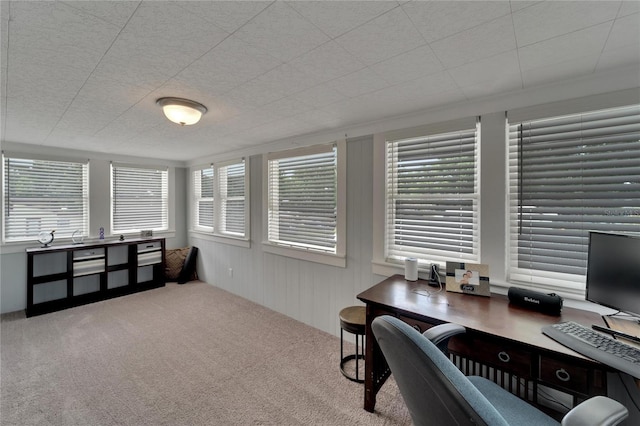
{"type": "Point", "coordinates": [613, 271]}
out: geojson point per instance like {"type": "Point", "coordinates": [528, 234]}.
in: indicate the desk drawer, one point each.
{"type": "Point", "coordinates": [494, 353]}
{"type": "Point", "coordinates": [421, 326]}
{"type": "Point", "coordinates": [564, 375]}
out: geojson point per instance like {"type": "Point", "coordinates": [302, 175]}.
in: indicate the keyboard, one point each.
{"type": "Point", "coordinates": [596, 345]}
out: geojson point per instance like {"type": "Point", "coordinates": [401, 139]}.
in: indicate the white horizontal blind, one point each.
{"type": "Point", "coordinates": [432, 197]}
{"type": "Point", "coordinates": [231, 190]}
{"type": "Point", "coordinates": [41, 195]}
{"type": "Point", "coordinates": [203, 210]}
{"type": "Point", "coordinates": [302, 206]}
{"type": "Point", "coordinates": [139, 198]}
{"type": "Point", "coordinates": [570, 175]}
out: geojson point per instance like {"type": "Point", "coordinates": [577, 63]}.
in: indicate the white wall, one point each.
{"type": "Point", "coordinates": [13, 260]}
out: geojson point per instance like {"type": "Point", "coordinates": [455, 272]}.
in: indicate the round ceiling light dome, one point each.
{"type": "Point", "coordinates": [182, 111]}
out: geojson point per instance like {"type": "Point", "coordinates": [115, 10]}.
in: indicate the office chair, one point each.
{"type": "Point", "coordinates": [437, 393]}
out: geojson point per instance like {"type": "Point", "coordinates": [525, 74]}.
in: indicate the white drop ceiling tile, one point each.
{"type": "Point", "coordinates": [162, 39]}
{"type": "Point", "coordinates": [440, 99]}
{"type": "Point", "coordinates": [319, 120]}
{"type": "Point", "coordinates": [625, 32]}
{"type": "Point", "coordinates": [45, 70]}
{"type": "Point", "coordinates": [114, 12]}
{"type": "Point", "coordinates": [408, 66]}
{"type": "Point", "coordinates": [140, 118]}
{"type": "Point", "coordinates": [384, 37]}
{"type": "Point", "coordinates": [439, 19]}
{"type": "Point", "coordinates": [230, 64]}
{"type": "Point", "coordinates": [286, 107]}
{"type": "Point", "coordinates": [476, 43]}
{"type": "Point", "coordinates": [587, 42]}
{"type": "Point", "coordinates": [281, 32]}
{"type": "Point", "coordinates": [553, 18]}
{"type": "Point", "coordinates": [358, 83]}
{"type": "Point", "coordinates": [249, 96]}
{"type": "Point", "coordinates": [287, 79]}
{"type": "Point", "coordinates": [521, 4]}
{"type": "Point", "coordinates": [337, 17]}
{"type": "Point", "coordinates": [503, 66]}
{"type": "Point", "coordinates": [4, 44]}
{"type": "Point", "coordinates": [614, 58]}
{"type": "Point", "coordinates": [228, 15]}
{"type": "Point", "coordinates": [319, 96]}
{"type": "Point", "coordinates": [126, 69]}
{"type": "Point", "coordinates": [629, 7]}
{"type": "Point", "coordinates": [29, 124]}
{"type": "Point", "coordinates": [58, 35]}
{"type": "Point", "coordinates": [575, 67]}
{"type": "Point", "coordinates": [327, 62]}
{"type": "Point", "coordinates": [491, 87]}
{"type": "Point", "coordinates": [428, 85]}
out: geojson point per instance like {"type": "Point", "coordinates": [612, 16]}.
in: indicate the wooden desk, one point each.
{"type": "Point", "coordinates": [503, 342]}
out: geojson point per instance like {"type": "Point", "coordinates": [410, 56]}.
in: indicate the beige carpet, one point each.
{"type": "Point", "coordinates": [179, 355]}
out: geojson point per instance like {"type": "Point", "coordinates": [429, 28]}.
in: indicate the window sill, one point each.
{"type": "Point", "coordinates": [309, 256]}
{"type": "Point", "coordinates": [222, 239]}
{"type": "Point", "coordinates": [387, 269]}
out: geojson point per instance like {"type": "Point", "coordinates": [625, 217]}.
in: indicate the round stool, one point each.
{"type": "Point", "coordinates": [352, 320]}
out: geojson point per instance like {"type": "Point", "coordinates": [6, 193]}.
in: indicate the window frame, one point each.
{"type": "Point", "coordinates": [164, 199]}
{"type": "Point", "coordinates": [216, 232]}
{"type": "Point", "coordinates": [382, 264]}
{"type": "Point", "coordinates": [333, 259]}
{"type": "Point", "coordinates": [220, 218]}
{"type": "Point", "coordinates": [570, 284]}
{"type": "Point", "coordinates": [84, 190]}
{"type": "Point", "coordinates": [197, 198]}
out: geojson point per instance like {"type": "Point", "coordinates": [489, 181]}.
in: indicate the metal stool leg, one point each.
{"type": "Point", "coordinates": [358, 355]}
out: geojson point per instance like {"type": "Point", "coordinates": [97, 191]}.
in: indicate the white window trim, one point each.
{"type": "Point", "coordinates": [217, 203]}
{"type": "Point", "coordinates": [195, 226]}
{"type": "Point", "coordinates": [339, 258]}
{"type": "Point", "coordinates": [380, 265]}
{"type": "Point", "coordinates": [214, 234]}
{"type": "Point", "coordinates": [165, 169]}
{"type": "Point", "coordinates": [10, 246]}
{"type": "Point", "coordinates": [566, 284]}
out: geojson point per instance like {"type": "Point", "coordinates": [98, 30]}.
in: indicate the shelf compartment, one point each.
{"type": "Point", "coordinates": [118, 255]}
{"type": "Point", "coordinates": [117, 279]}
{"type": "Point", "coordinates": [49, 291]}
{"type": "Point", "coordinates": [49, 264]}
{"type": "Point", "coordinates": [86, 284]}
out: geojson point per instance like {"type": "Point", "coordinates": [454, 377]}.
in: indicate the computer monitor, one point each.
{"type": "Point", "coordinates": [613, 272]}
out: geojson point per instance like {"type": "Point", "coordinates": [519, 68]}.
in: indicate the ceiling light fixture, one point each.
{"type": "Point", "coordinates": [182, 111]}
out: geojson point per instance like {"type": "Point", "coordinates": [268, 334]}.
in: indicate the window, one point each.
{"type": "Point", "coordinates": [431, 202]}
{"type": "Point", "coordinates": [44, 195]}
{"type": "Point", "coordinates": [203, 199]}
{"type": "Point", "coordinates": [570, 175]}
{"type": "Point", "coordinates": [139, 198]}
{"type": "Point", "coordinates": [304, 206]}
{"type": "Point", "coordinates": [219, 195]}
{"type": "Point", "coordinates": [230, 190]}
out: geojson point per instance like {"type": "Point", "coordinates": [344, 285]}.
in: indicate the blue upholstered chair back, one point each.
{"type": "Point", "coordinates": [435, 391]}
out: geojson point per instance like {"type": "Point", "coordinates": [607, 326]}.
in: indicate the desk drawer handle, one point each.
{"type": "Point", "coordinates": [563, 375]}
{"type": "Point", "coordinates": [504, 357]}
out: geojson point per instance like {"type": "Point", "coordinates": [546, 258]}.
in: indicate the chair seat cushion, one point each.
{"type": "Point", "coordinates": [514, 410]}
